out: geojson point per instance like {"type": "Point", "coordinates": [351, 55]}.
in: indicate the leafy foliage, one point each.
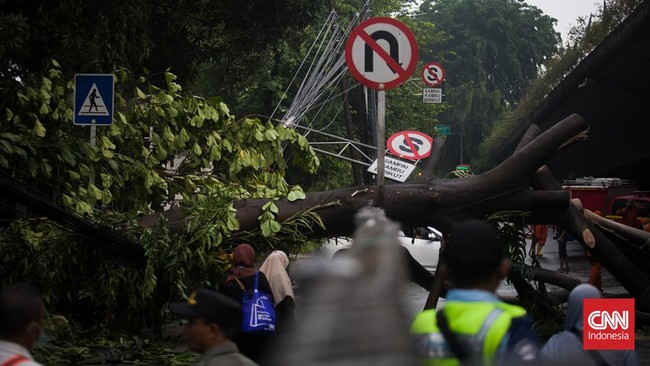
{"type": "Point", "coordinates": [71, 345]}
{"type": "Point", "coordinates": [165, 148]}
{"type": "Point", "coordinates": [493, 50]}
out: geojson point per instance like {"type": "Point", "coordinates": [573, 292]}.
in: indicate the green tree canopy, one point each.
{"type": "Point", "coordinates": [494, 49]}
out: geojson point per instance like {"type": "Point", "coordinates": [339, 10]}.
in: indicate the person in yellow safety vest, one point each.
{"type": "Point", "coordinates": [474, 327]}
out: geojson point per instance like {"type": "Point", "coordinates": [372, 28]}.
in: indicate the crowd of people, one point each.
{"type": "Point", "coordinates": [473, 327]}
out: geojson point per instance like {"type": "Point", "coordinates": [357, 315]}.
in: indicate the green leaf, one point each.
{"type": "Point", "coordinates": [271, 206]}
{"type": "Point", "coordinates": [296, 195]}
{"type": "Point", "coordinates": [197, 150]}
{"type": "Point", "coordinates": [67, 200]}
{"type": "Point", "coordinates": [107, 180]}
{"type": "Point", "coordinates": [106, 142]}
{"type": "Point", "coordinates": [94, 191]}
{"type": "Point", "coordinates": [232, 223]}
{"type": "Point", "coordinates": [39, 129]}
{"type": "Point", "coordinates": [271, 135]}
{"type": "Point", "coordinates": [83, 207]}
{"type": "Point", "coordinates": [74, 175]}
{"type": "Point", "coordinates": [259, 136]}
{"type": "Point", "coordinates": [68, 157]}
{"type": "Point", "coordinates": [168, 135]}
{"type": "Point", "coordinates": [140, 94]}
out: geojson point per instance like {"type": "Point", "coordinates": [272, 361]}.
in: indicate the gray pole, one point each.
{"type": "Point", "coordinates": [381, 144]}
{"type": "Point", "coordinates": [461, 148]}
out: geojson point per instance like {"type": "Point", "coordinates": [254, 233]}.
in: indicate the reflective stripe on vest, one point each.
{"type": "Point", "coordinates": [15, 360]}
{"type": "Point", "coordinates": [480, 326]}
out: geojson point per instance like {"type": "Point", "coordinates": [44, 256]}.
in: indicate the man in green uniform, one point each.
{"type": "Point", "coordinates": [474, 327]}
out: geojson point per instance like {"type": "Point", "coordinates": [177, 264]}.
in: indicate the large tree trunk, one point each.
{"type": "Point", "coordinates": [514, 185]}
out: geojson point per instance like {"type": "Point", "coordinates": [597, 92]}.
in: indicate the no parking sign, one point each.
{"type": "Point", "coordinates": [433, 74]}
{"type": "Point", "coordinates": [412, 145]}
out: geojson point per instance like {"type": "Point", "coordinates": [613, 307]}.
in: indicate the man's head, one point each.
{"type": "Point", "coordinates": [213, 318]}
{"type": "Point", "coordinates": [475, 257]}
{"type": "Point", "coordinates": [21, 315]}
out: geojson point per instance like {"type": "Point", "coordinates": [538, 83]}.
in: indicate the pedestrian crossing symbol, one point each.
{"type": "Point", "coordinates": [94, 95]}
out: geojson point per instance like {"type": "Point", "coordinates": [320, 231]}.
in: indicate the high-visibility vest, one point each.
{"type": "Point", "coordinates": [479, 326]}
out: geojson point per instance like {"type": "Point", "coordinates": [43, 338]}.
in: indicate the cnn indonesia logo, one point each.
{"type": "Point", "coordinates": [608, 324]}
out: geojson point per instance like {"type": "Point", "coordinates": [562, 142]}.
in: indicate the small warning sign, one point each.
{"type": "Point", "coordinates": [394, 169]}
{"type": "Point", "coordinates": [93, 99]}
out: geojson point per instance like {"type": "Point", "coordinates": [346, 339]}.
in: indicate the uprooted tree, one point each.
{"type": "Point", "coordinates": [520, 183]}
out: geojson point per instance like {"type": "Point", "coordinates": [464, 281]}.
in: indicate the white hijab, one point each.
{"type": "Point", "coordinates": [274, 268]}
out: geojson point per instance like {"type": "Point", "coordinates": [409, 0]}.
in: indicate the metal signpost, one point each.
{"type": "Point", "coordinates": [381, 53]}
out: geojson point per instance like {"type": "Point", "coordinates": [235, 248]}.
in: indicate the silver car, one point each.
{"type": "Point", "coordinates": [423, 244]}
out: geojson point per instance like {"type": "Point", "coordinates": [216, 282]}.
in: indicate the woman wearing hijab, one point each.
{"type": "Point", "coordinates": [275, 269]}
{"type": "Point", "coordinates": [565, 348]}
{"type": "Point", "coordinates": [243, 271]}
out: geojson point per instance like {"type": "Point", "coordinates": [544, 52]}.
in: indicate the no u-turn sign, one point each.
{"type": "Point", "coordinates": [381, 53]}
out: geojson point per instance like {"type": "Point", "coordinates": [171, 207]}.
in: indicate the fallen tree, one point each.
{"type": "Point", "coordinates": [520, 183]}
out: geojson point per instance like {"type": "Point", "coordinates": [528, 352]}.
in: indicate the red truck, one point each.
{"type": "Point", "coordinates": [609, 195]}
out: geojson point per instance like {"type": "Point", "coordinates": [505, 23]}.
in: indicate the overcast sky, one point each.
{"type": "Point", "coordinates": [565, 11]}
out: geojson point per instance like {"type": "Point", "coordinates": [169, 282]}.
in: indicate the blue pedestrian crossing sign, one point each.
{"type": "Point", "coordinates": [93, 99]}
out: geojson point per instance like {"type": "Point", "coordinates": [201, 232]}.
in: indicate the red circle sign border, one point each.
{"type": "Point", "coordinates": [416, 156]}
{"type": "Point", "coordinates": [439, 81]}
{"type": "Point", "coordinates": [403, 76]}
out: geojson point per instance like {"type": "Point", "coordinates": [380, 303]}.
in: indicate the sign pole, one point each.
{"type": "Point", "coordinates": [381, 144]}
{"type": "Point", "coordinates": [93, 135]}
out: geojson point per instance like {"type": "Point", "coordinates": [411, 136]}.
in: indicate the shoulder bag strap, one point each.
{"type": "Point", "coordinates": [15, 360]}
{"type": "Point", "coordinates": [454, 344]}
{"type": "Point", "coordinates": [255, 281]}
{"type": "Point", "coordinates": [240, 284]}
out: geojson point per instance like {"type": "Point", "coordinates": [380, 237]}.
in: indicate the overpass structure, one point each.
{"type": "Point", "coordinates": [610, 88]}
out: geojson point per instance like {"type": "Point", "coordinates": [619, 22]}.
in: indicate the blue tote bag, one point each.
{"type": "Point", "coordinates": [258, 314]}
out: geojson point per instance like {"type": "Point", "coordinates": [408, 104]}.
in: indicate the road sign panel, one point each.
{"type": "Point", "coordinates": [432, 95]}
{"type": "Point", "coordinates": [381, 53]}
{"type": "Point", "coordinates": [93, 99]}
{"type": "Point", "coordinates": [433, 74]}
{"type": "Point", "coordinates": [394, 169]}
{"type": "Point", "coordinates": [443, 130]}
{"type": "Point", "coordinates": [412, 145]}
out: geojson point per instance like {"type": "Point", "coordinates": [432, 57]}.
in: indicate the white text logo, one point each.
{"type": "Point", "coordinates": [599, 320]}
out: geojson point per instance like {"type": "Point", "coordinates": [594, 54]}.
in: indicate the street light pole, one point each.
{"type": "Point", "coordinates": [461, 148]}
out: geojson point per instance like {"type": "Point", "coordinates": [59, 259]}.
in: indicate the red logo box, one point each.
{"type": "Point", "coordinates": [608, 324]}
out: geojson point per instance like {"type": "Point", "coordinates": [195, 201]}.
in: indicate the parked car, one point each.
{"type": "Point", "coordinates": [423, 244]}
